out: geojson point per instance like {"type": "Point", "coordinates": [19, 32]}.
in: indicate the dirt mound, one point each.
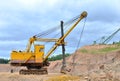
{"type": "Point", "coordinates": [64, 78]}
{"type": "Point", "coordinates": [5, 76]}
{"type": "Point", "coordinates": [99, 60]}
{"type": "Point", "coordinates": [8, 68]}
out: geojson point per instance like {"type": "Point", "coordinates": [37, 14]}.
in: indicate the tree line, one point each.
{"type": "Point", "coordinates": [4, 61]}
{"type": "Point", "coordinates": [57, 57]}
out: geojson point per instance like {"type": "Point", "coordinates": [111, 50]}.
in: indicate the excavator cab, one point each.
{"type": "Point", "coordinates": [39, 53]}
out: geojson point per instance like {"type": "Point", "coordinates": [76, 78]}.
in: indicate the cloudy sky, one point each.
{"type": "Point", "coordinates": [21, 19]}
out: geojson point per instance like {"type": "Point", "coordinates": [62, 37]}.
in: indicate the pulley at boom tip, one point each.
{"type": "Point", "coordinates": [84, 14]}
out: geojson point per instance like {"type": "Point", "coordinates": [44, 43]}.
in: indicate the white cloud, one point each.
{"type": "Point", "coordinates": [21, 19]}
{"type": "Point", "coordinates": [33, 3]}
{"type": "Point", "coordinates": [2, 24]}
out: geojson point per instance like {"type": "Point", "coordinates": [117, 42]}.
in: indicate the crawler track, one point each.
{"type": "Point", "coordinates": [34, 71]}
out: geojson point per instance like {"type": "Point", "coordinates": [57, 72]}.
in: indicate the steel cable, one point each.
{"type": "Point", "coordinates": [78, 45]}
{"type": "Point", "coordinates": [47, 32]}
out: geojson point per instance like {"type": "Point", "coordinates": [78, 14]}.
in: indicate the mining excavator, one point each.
{"type": "Point", "coordinates": [36, 61]}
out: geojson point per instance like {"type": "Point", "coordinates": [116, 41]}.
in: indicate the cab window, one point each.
{"type": "Point", "coordinates": [41, 50]}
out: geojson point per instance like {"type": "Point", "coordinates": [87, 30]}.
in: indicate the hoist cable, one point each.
{"type": "Point", "coordinates": [66, 26]}
{"type": "Point", "coordinates": [65, 29]}
{"type": "Point", "coordinates": [44, 33]}
{"type": "Point", "coordinates": [74, 56]}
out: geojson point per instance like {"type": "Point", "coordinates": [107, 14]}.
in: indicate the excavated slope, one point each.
{"type": "Point", "coordinates": [94, 59]}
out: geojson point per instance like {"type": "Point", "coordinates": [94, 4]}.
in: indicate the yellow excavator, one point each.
{"type": "Point", "coordinates": [36, 61]}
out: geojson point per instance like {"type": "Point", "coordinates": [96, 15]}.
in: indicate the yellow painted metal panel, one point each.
{"type": "Point", "coordinates": [39, 53]}
{"type": "Point", "coordinates": [20, 55]}
{"type": "Point", "coordinates": [39, 57]}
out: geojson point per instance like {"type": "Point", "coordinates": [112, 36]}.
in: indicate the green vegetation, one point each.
{"type": "Point", "coordinates": [118, 43]}
{"type": "Point", "coordinates": [57, 57]}
{"type": "Point", "coordinates": [106, 49]}
{"type": "Point", "coordinates": [4, 61]}
{"type": "Point", "coordinates": [84, 51]}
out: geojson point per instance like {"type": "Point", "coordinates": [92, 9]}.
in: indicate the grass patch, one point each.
{"type": "Point", "coordinates": [107, 49]}
{"type": "Point", "coordinates": [84, 50]}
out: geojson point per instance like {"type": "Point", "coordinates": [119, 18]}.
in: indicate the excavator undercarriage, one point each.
{"type": "Point", "coordinates": [33, 68]}
{"type": "Point", "coordinates": [33, 71]}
